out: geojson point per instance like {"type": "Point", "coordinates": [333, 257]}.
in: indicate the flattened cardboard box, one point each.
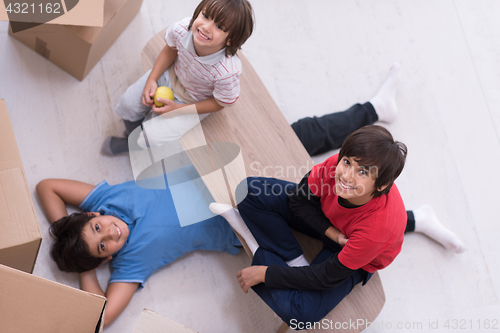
{"type": "Point", "coordinates": [30, 303]}
{"type": "Point", "coordinates": [151, 322]}
{"type": "Point", "coordinates": [77, 49]}
{"type": "Point", "coordinates": [20, 235]}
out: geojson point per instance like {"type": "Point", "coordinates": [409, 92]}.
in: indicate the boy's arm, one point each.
{"type": "Point", "coordinates": [325, 275]}
{"type": "Point", "coordinates": [164, 60]}
{"type": "Point", "coordinates": [226, 92]}
{"type": "Point", "coordinates": [206, 106]}
{"type": "Point", "coordinates": [335, 235]}
{"type": "Point", "coordinates": [304, 204]}
{"type": "Point", "coordinates": [54, 194]}
{"type": "Point", "coordinates": [118, 294]}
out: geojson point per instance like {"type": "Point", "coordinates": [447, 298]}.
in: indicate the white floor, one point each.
{"type": "Point", "coordinates": [315, 57]}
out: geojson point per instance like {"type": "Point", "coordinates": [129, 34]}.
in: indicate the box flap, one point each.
{"type": "Point", "coordinates": [9, 154]}
{"type": "Point", "coordinates": [89, 34]}
{"type": "Point", "coordinates": [151, 322]}
{"type": "Point", "coordinates": [20, 234]}
{"type": "Point", "coordinates": [33, 304]}
{"type": "Point", "coordinates": [17, 216]}
{"type": "Point", "coordinates": [67, 12]}
{"type": "Point", "coordinates": [21, 257]}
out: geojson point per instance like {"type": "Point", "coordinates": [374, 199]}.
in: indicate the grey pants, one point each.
{"type": "Point", "coordinates": [131, 108]}
{"type": "Point", "coordinates": [159, 128]}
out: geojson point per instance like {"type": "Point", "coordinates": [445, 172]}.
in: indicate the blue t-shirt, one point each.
{"type": "Point", "coordinates": [156, 237]}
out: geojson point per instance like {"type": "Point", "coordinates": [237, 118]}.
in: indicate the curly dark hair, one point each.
{"type": "Point", "coordinates": [236, 16]}
{"type": "Point", "coordinates": [69, 250]}
{"type": "Point", "coordinates": [373, 145]}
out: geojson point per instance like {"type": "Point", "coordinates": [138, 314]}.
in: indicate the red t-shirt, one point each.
{"type": "Point", "coordinates": [375, 230]}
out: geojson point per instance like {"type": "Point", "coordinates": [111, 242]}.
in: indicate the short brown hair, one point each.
{"type": "Point", "coordinates": [235, 16]}
{"type": "Point", "coordinates": [69, 250]}
{"type": "Point", "coordinates": [374, 146]}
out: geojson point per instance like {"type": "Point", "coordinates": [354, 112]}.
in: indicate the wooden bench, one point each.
{"type": "Point", "coordinates": [269, 147]}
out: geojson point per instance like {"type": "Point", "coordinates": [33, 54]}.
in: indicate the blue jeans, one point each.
{"type": "Point", "coordinates": [265, 211]}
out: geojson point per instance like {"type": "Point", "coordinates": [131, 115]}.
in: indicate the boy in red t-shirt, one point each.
{"type": "Point", "coordinates": [349, 202]}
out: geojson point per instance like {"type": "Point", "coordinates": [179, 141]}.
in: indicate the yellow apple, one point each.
{"type": "Point", "coordinates": [163, 92]}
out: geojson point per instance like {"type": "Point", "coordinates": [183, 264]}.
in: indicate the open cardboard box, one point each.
{"type": "Point", "coordinates": [76, 48]}
{"type": "Point", "coordinates": [20, 236]}
{"type": "Point", "coordinates": [152, 322]}
{"type": "Point", "coordinates": [30, 303]}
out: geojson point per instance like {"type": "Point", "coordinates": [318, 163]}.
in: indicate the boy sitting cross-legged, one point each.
{"type": "Point", "coordinates": [349, 202]}
{"type": "Point", "coordinates": [200, 65]}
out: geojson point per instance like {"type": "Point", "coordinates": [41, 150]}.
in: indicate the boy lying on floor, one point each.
{"type": "Point", "coordinates": [137, 229]}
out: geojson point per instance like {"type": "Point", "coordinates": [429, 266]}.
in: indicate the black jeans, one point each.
{"type": "Point", "coordinates": [328, 132]}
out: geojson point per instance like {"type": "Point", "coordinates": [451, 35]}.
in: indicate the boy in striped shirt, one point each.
{"type": "Point", "coordinates": [199, 63]}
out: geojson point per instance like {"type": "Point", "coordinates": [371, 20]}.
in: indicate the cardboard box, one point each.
{"type": "Point", "coordinates": [20, 236]}
{"type": "Point", "coordinates": [30, 303]}
{"type": "Point", "coordinates": [77, 49]}
{"type": "Point", "coordinates": [151, 322]}
{"type": "Point", "coordinates": [73, 12]}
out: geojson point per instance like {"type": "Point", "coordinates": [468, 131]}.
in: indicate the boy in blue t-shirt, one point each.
{"type": "Point", "coordinates": [137, 229]}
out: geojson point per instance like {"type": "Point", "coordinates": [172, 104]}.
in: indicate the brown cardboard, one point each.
{"type": "Point", "coordinates": [20, 236]}
{"type": "Point", "coordinates": [85, 13]}
{"type": "Point", "coordinates": [30, 303]}
{"type": "Point", "coordinates": [77, 49]}
{"type": "Point", "coordinates": [151, 322]}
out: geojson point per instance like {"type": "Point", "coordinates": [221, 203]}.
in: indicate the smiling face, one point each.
{"type": "Point", "coordinates": [105, 235]}
{"type": "Point", "coordinates": [208, 37]}
{"type": "Point", "coordinates": [355, 183]}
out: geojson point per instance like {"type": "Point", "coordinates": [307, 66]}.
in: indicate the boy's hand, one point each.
{"type": "Point", "coordinates": [148, 92]}
{"type": "Point", "coordinates": [168, 105]}
{"type": "Point", "coordinates": [251, 276]}
{"type": "Point", "coordinates": [342, 240]}
{"type": "Point", "coordinates": [335, 235]}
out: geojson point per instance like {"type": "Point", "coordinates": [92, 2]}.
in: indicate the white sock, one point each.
{"type": "Point", "coordinates": [384, 101]}
{"type": "Point", "coordinates": [234, 219]}
{"type": "Point", "coordinates": [426, 222]}
{"type": "Point", "coordinates": [298, 262]}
